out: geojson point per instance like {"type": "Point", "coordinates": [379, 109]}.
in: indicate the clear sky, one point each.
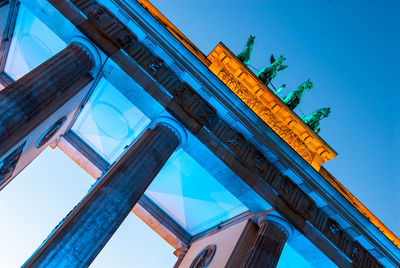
{"type": "Point", "coordinates": [349, 49]}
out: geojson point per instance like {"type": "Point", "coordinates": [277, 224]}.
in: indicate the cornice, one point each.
{"type": "Point", "coordinates": [173, 30]}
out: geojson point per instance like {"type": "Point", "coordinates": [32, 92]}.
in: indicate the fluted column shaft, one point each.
{"type": "Point", "coordinates": [29, 101]}
{"type": "Point", "coordinates": [267, 248]}
{"type": "Point", "coordinates": [84, 232]}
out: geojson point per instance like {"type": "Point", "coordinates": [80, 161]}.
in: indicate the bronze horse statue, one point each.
{"type": "Point", "coordinates": [315, 117]}
{"type": "Point", "coordinates": [269, 73]}
{"type": "Point", "coordinates": [244, 56]}
{"type": "Point", "coordinates": [294, 97]}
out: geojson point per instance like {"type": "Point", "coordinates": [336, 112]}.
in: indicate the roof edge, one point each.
{"type": "Point", "coordinates": [174, 31]}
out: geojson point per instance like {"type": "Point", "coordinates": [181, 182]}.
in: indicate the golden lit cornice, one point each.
{"type": "Point", "coordinates": [269, 107]}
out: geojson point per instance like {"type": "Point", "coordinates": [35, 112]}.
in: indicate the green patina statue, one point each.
{"type": "Point", "coordinates": [313, 119]}
{"type": "Point", "coordinates": [244, 56]}
{"type": "Point", "coordinates": [294, 98]}
{"type": "Point", "coordinates": [269, 73]}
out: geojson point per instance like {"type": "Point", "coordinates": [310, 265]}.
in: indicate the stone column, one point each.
{"type": "Point", "coordinates": [84, 232]}
{"type": "Point", "coordinates": [271, 238]}
{"type": "Point", "coordinates": [29, 101]}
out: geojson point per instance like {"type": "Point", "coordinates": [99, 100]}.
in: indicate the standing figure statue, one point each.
{"type": "Point", "coordinates": [315, 117]}
{"type": "Point", "coordinates": [269, 73]}
{"type": "Point", "coordinates": [294, 98]}
{"type": "Point", "coordinates": [244, 56]}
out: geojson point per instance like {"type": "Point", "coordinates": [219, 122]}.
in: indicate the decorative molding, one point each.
{"type": "Point", "coordinates": [205, 256]}
{"type": "Point", "coordinates": [263, 102]}
{"type": "Point", "coordinates": [51, 132]}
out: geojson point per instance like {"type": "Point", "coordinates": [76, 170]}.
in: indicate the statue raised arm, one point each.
{"type": "Point", "coordinates": [294, 97]}
{"type": "Point", "coordinates": [315, 117]}
{"type": "Point", "coordinates": [269, 73]}
{"type": "Point", "coordinates": [244, 56]}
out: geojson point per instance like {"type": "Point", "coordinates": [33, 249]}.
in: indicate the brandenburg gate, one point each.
{"type": "Point", "coordinates": [197, 146]}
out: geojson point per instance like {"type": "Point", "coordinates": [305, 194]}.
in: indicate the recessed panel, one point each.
{"type": "Point", "coordinates": [32, 44]}
{"type": "Point", "coordinates": [189, 194]}
{"type": "Point", "coordinates": [109, 121]}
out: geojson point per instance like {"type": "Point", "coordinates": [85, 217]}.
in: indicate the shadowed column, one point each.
{"type": "Point", "coordinates": [270, 240]}
{"type": "Point", "coordinates": [84, 232]}
{"type": "Point", "coordinates": [29, 101]}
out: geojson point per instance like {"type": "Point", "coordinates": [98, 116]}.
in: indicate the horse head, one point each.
{"type": "Point", "coordinates": [280, 60]}
{"type": "Point", "coordinates": [324, 112]}
{"type": "Point", "coordinates": [305, 85]}
{"type": "Point", "coordinates": [250, 41]}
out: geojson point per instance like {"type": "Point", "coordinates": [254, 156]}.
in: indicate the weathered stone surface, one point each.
{"type": "Point", "coordinates": [26, 103]}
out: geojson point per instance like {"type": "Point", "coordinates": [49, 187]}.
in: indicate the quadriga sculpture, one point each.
{"type": "Point", "coordinates": [294, 98]}
{"type": "Point", "coordinates": [244, 56]}
{"type": "Point", "coordinates": [269, 73]}
{"type": "Point", "coordinates": [315, 117]}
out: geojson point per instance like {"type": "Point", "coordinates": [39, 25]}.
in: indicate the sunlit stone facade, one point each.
{"type": "Point", "coordinates": [196, 146]}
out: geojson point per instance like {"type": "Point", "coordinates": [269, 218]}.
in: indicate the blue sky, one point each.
{"type": "Point", "coordinates": [349, 49]}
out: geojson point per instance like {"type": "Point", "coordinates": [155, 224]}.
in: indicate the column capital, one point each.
{"type": "Point", "coordinates": [92, 51]}
{"type": "Point", "coordinates": [278, 221]}
{"type": "Point", "coordinates": [175, 126]}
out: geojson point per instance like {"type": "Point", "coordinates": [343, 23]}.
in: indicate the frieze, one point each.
{"type": "Point", "coordinates": [154, 66]}
{"type": "Point", "coordinates": [356, 254]}
{"type": "Point", "coordinates": [333, 231]}
{"type": "Point", "coordinates": [126, 41]}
